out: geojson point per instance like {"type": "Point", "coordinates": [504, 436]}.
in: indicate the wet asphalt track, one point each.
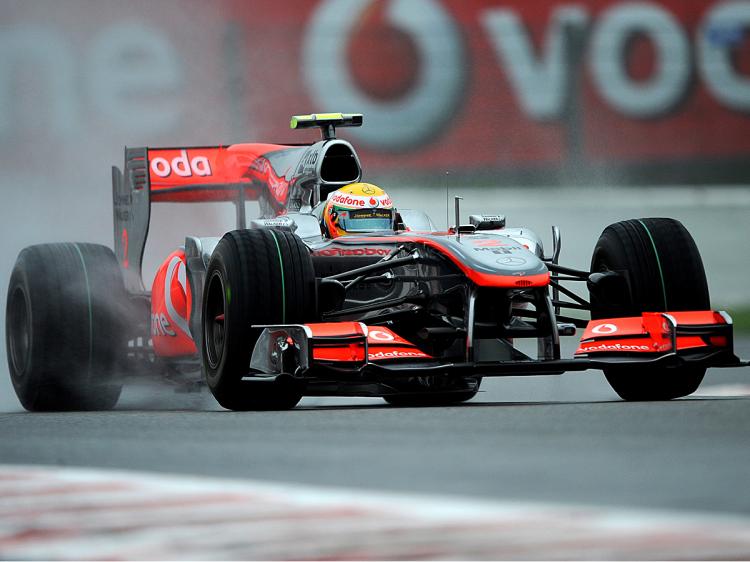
{"type": "Point", "coordinates": [564, 440]}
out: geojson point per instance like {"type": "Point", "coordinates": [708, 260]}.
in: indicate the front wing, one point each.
{"type": "Point", "coordinates": [375, 357]}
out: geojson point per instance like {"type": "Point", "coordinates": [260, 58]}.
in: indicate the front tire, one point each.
{"type": "Point", "coordinates": [262, 276]}
{"type": "Point", "coordinates": [64, 327]}
{"type": "Point", "coordinates": [665, 273]}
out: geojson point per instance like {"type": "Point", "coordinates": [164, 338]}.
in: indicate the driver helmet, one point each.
{"type": "Point", "coordinates": [358, 207]}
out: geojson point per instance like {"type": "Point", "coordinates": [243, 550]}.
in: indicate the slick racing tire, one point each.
{"type": "Point", "coordinates": [64, 327]}
{"type": "Point", "coordinates": [665, 273]}
{"type": "Point", "coordinates": [255, 277]}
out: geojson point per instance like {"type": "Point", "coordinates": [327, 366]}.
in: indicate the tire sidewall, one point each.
{"type": "Point", "coordinates": [26, 382]}
{"type": "Point", "coordinates": [218, 272]}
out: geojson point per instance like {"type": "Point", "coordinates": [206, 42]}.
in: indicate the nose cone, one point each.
{"type": "Point", "coordinates": [500, 255]}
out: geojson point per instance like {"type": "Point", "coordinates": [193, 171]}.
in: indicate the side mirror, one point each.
{"type": "Point", "coordinates": [487, 222]}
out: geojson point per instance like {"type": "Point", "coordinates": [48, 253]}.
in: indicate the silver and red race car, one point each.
{"type": "Point", "coordinates": [274, 310]}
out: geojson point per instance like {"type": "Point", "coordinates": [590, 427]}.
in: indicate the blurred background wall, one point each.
{"type": "Point", "coordinates": [547, 91]}
{"type": "Point", "coordinates": [577, 113]}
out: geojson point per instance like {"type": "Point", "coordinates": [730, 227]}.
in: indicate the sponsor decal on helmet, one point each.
{"type": "Point", "coordinates": [348, 200]}
{"type": "Point", "coordinates": [369, 213]}
{"type": "Point", "coordinates": [359, 201]}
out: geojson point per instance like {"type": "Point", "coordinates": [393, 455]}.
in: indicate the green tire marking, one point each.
{"type": "Point", "coordinates": [283, 288]}
{"type": "Point", "coordinates": [91, 314]}
{"type": "Point", "coordinates": [658, 264]}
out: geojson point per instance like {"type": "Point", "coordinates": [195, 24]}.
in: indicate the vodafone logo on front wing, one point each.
{"type": "Point", "coordinates": [614, 347]}
{"type": "Point", "coordinates": [182, 165]}
{"type": "Point", "coordinates": [380, 335]}
{"type": "Point", "coordinates": [396, 354]}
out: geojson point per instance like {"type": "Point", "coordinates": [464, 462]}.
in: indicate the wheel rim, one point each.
{"type": "Point", "coordinates": [214, 320]}
{"type": "Point", "coordinates": [19, 331]}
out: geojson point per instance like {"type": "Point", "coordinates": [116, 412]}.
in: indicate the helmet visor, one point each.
{"type": "Point", "coordinates": [365, 220]}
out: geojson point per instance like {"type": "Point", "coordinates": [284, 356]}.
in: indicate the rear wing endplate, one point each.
{"type": "Point", "coordinates": [132, 214]}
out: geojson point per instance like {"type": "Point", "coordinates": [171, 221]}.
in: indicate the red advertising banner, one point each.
{"type": "Point", "coordinates": [509, 85]}
{"type": "Point", "coordinates": [565, 89]}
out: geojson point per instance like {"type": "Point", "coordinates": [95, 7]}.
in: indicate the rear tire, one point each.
{"type": "Point", "coordinates": [262, 276]}
{"type": "Point", "coordinates": [665, 273]}
{"type": "Point", "coordinates": [64, 327]}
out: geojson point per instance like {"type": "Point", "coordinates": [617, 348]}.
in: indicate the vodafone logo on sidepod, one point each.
{"type": "Point", "coordinates": [182, 165]}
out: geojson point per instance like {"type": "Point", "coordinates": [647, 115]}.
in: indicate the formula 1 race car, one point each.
{"type": "Point", "coordinates": [274, 310]}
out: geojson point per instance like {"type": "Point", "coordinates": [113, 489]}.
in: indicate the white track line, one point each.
{"type": "Point", "coordinates": [80, 514]}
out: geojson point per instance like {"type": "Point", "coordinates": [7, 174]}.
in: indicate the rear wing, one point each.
{"type": "Point", "coordinates": [182, 175]}
{"type": "Point", "coordinates": [281, 177]}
